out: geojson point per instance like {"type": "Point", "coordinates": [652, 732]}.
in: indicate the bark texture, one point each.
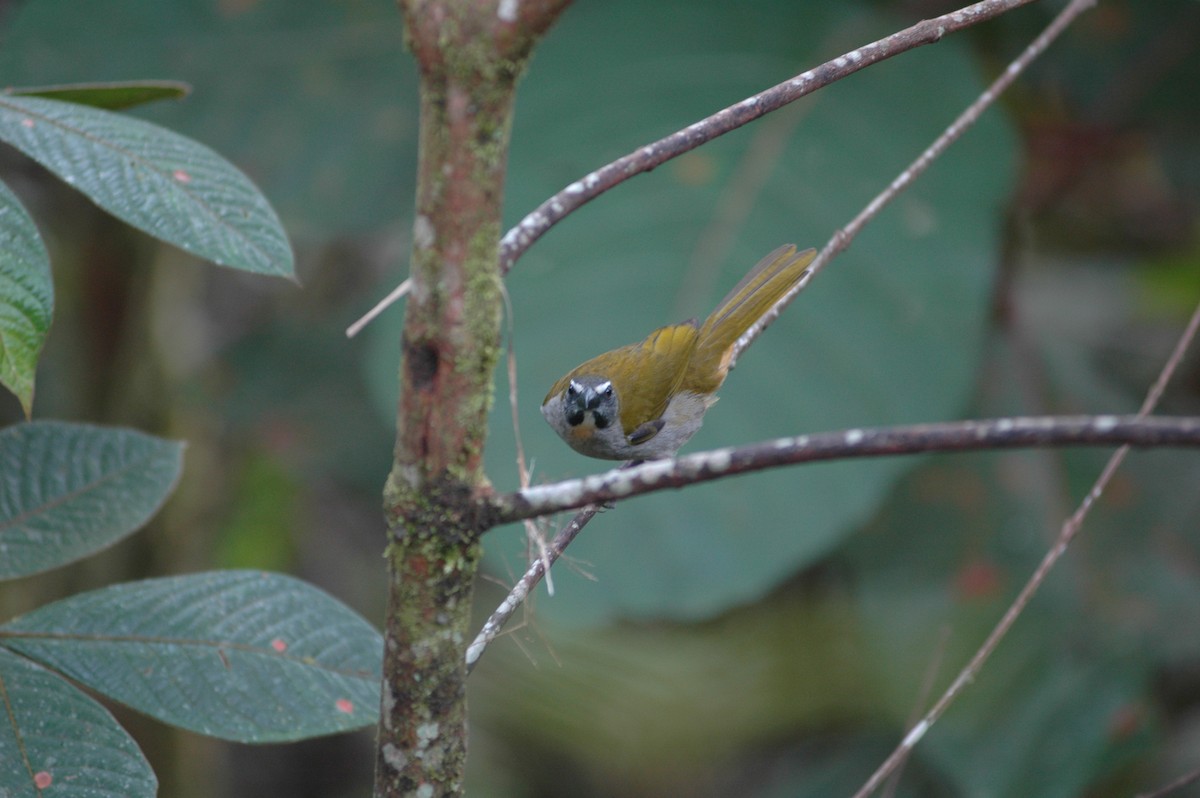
{"type": "Point", "coordinates": [470, 54]}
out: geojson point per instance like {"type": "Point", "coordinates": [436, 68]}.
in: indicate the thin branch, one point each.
{"type": "Point", "coordinates": [538, 569]}
{"type": "Point", "coordinates": [842, 238]}
{"type": "Point", "coordinates": [1069, 529]}
{"type": "Point", "coordinates": [1185, 780]}
{"type": "Point", "coordinates": [926, 689]}
{"type": "Point", "coordinates": [517, 240]}
{"type": "Point", "coordinates": [956, 436]}
{"type": "Point", "coordinates": [574, 196]}
{"type": "Point", "coordinates": [532, 532]}
{"type": "Point", "coordinates": [380, 306]}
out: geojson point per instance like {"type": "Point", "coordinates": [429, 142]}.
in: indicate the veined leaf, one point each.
{"type": "Point", "coordinates": [26, 298]}
{"type": "Point", "coordinates": [168, 185]}
{"type": "Point", "coordinates": [69, 490]}
{"type": "Point", "coordinates": [54, 740]}
{"type": "Point", "coordinates": [242, 655]}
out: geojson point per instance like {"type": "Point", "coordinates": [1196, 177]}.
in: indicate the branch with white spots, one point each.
{"type": "Point", "coordinates": [592, 492]}
{"type": "Point", "coordinates": [517, 240]}
{"type": "Point", "coordinates": [959, 436]}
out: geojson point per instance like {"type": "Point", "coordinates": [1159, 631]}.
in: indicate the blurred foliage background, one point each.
{"type": "Point", "coordinates": [765, 636]}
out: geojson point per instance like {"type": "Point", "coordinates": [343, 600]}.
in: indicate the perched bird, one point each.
{"type": "Point", "coordinates": [645, 400]}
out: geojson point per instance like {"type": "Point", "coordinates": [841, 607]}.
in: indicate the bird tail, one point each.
{"type": "Point", "coordinates": [750, 299]}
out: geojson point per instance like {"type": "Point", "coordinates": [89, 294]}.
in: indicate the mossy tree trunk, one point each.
{"type": "Point", "coordinates": [470, 54]}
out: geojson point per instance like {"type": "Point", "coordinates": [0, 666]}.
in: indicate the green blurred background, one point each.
{"type": "Point", "coordinates": [765, 636]}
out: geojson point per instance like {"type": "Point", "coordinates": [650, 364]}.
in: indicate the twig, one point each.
{"type": "Point", "coordinates": [517, 240]}
{"type": "Point", "coordinates": [956, 436]}
{"type": "Point", "coordinates": [1069, 529]}
{"type": "Point", "coordinates": [537, 569]}
{"type": "Point", "coordinates": [1185, 780]}
{"type": "Point", "coordinates": [842, 238]}
{"type": "Point", "coordinates": [737, 200]}
{"type": "Point", "coordinates": [532, 532]}
{"type": "Point", "coordinates": [536, 223]}
{"type": "Point", "coordinates": [380, 307]}
{"type": "Point", "coordinates": [923, 693]}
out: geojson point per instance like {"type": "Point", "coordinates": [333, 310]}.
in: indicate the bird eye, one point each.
{"type": "Point", "coordinates": [605, 388]}
{"type": "Point", "coordinates": [573, 389]}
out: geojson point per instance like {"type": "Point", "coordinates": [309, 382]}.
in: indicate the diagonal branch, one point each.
{"type": "Point", "coordinates": [1070, 528]}
{"type": "Point", "coordinates": [535, 224]}
{"type": "Point", "coordinates": [538, 570]}
{"type": "Point", "coordinates": [842, 238]}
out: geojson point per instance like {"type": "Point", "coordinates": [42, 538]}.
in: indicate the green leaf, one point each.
{"type": "Point", "coordinates": [114, 96]}
{"type": "Point", "coordinates": [173, 188]}
{"type": "Point", "coordinates": [54, 740]}
{"type": "Point", "coordinates": [242, 655]}
{"type": "Point", "coordinates": [26, 298]}
{"type": "Point", "coordinates": [70, 490]}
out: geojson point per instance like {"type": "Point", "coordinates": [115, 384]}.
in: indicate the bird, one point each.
{"type": "Point", "coordinates": [644, 401]}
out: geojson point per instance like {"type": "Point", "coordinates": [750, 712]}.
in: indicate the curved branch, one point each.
{"type": "Point", "coordinates": [958, 436]}
{"type": "Point", "coordinates": [650, 156]}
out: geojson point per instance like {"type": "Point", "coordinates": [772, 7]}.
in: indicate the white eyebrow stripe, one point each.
{"type": "Point", "coordinates": [604, 386]}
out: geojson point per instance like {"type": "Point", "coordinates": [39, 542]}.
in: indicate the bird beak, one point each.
{"type": "Point", "coordinates": [585, 400]}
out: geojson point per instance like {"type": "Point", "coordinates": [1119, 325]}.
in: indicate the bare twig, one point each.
{"type": "Point", "coordinates": [535, 224]}
{"type": "Point", "coordinates": [956, 436]}
{"type": "Point", "coordinates": [517, 240]}
{"type": "Point", "coordinates": [1069, 529]}
{"type": "Point", "coordinates": [380, 306]}
{"type": "Point", "coordinates": [1185, 780]}
{"type": "Point", "coordinates": [842, 238]}
{"type": "Point", "coordinates": [538, 569]}
{"type": "Point", "coordinates": [935, 662]}
{"type": "Point", "coordinates": [737, 200]}
{"type": "Point", "coordinates": [532, 531]}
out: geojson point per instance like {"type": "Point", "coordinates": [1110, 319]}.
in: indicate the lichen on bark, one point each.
{"type": "Point", "coordinates": [435, 498]}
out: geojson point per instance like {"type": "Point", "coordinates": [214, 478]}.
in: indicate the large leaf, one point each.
{"type": "Point", "coordinates": [242, 655]}
{"type": "Point", "coordinates": [890, 333]}
{"type": "Point", "coordinates": [166, 184]}
{"type": "Point", "coordinates": [69, 490]}
{"type": "Point", "coordinates": [26, 298]}
{"type": "Point", "coordinates": [54, 740]}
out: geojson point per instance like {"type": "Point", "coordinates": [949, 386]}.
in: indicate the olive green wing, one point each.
{"type": "Point", "coordinates": [662, 361]}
